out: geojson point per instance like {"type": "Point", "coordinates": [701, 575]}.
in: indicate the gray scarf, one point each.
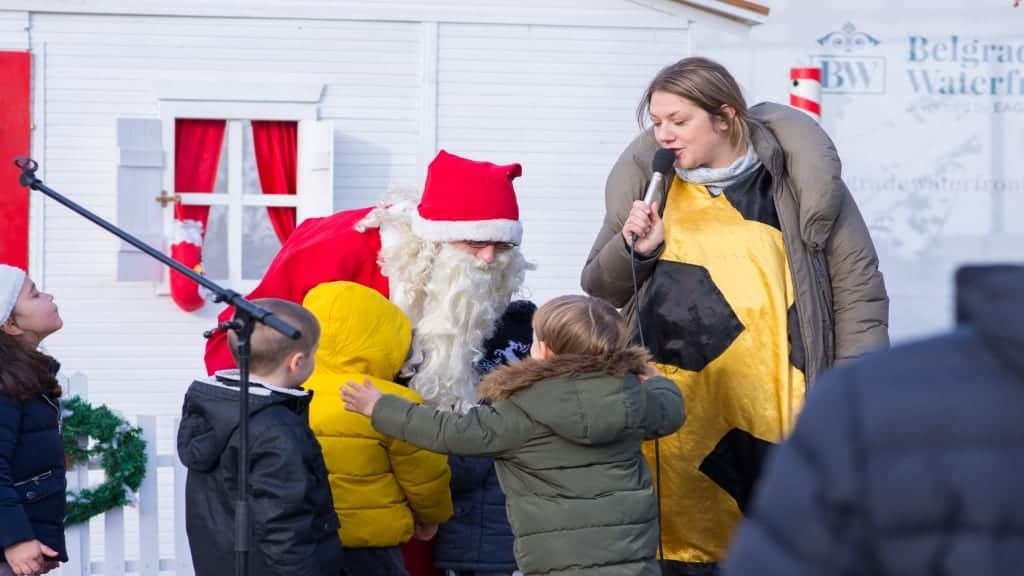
{"type": "Point", "coordinates": [718, 179]}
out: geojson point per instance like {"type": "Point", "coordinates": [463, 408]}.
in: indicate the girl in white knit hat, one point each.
{"type": "Point", "coordinates": [32, 485]}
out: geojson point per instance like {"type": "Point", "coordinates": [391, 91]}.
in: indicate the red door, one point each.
{"type": "Point", "coordinates": [15, 126]}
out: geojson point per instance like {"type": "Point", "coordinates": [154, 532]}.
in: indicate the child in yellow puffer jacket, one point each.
{"type": "Point", "coordinates": [382, 487]}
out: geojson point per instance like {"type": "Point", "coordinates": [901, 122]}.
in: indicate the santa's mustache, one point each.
{"type": "Point", "coordinates": [460, 307]}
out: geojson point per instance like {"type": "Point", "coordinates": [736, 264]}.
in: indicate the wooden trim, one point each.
{"type": "Point", "coordinates": [747, 5]}
{"type": "Point", "coordinates": [224, 89]}
{"type": "Point", "coordinates": [350, 10]}
{"type": "Point", "coordinates": [743, 11]}
{"type": "Point", "coordinates": [37, 206]}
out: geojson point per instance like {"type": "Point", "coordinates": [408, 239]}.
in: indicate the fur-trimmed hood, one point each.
{"type": "Point", "coordinates": [505, 381]}
{"type": "Point", "coordinates": [584, 399]}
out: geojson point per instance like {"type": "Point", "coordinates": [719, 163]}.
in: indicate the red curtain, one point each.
{"type": "Point", "coordinates": [276, 146]}
{"type": "Point", "coordinates": [197, 146]}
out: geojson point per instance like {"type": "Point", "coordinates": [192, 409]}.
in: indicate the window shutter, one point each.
{"type": "Point", "coordinates": [315, 169]}
{"type": "Point", "coordinates": [139, 182]}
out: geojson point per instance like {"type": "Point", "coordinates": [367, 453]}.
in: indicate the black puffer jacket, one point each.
{"type": "Point", "coordinates": [295, 529]}
{"type": "Point", "coordinates": [32, 485]}
{"type": "Point", "coordinates": [478, 538]}
{"type": "Point", "coordinates": [909, 462]}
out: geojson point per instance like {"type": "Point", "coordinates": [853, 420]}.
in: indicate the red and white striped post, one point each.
{"type": "Point", "coordinates": [806, 92]}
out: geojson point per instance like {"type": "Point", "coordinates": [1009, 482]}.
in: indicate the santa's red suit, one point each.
{"type": "Point", "coordinates": [462, 200]}
{"type": "Point", "coordinates": [320, 250]}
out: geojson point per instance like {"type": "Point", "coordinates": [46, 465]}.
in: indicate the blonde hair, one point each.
{"type": "Point", "coordinates": [709, 86]}
{"type": "Point", "coordinates": [269, 349]}
{"type": "Point", "coordinates": [580, 325]}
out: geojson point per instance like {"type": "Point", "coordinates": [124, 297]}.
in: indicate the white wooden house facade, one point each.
{"type": "Point", "coordinates": [377, 87]}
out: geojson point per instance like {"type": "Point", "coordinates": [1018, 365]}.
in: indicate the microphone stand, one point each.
{"type": "Point", "coordinates": [246, 316]}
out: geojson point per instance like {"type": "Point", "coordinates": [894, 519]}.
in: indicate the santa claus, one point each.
{"type": "Point", "coordinates": [449, 258]}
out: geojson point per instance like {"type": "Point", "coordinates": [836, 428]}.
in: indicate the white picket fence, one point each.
{"type": "Point", "coordinates": [151, 560]}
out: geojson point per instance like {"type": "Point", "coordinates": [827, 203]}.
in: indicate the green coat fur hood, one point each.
{"type": "Point", "coordinates": [580, 409]}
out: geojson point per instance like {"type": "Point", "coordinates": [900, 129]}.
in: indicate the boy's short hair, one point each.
{"type": "Point", "coordinates": [577, 324]}
{"type": "Point", "coordinates": [269, 349]}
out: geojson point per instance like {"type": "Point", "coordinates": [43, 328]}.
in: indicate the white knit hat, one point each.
{"type": "Point", "coordinates": [11, 281]}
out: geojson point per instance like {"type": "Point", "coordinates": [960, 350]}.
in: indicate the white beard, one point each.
{"type": "Point", "coordinates": [454, 301]}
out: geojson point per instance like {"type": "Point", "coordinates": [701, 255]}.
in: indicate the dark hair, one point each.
{"type": "Point", "coordinates": [270, 348]}
{"type": "Point", "coordinates": [578, 324]}
{"type": "Point", "coordinates": [708, 85]}
{"type": "Point", "coordinates": [26, 372]}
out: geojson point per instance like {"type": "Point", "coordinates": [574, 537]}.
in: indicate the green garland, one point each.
{"type": "Point", "coordinates": [121, 451]}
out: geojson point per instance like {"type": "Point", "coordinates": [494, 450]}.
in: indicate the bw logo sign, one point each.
{"type": "Point", "coordinates": [845, 71]}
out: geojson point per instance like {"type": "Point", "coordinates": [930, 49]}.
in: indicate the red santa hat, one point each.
{"type": "Point", "coordinates": [468, 200]}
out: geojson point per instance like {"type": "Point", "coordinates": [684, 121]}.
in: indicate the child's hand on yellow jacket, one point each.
{"type": "Point", "coordinates": [360, 398]}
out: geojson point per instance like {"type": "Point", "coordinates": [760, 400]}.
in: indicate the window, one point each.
{"type": "Point", "coordinates": [241, 236]}
{"type": "Point", "coordinates": [240, 240]}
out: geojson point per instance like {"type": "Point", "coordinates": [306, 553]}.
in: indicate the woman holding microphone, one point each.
{"type": "Point", "coordinates": [750, 273]}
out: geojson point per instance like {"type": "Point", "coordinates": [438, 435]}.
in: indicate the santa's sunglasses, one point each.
{"type": "Point", "coordinates": [498, 246]}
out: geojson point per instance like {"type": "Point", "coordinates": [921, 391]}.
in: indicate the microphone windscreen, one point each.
{"type": "Point", "coordinates": [664, 158]}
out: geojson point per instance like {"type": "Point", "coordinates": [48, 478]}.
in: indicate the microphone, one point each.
{"type": "Point", "coordinates": [662, 163]}
{"type": "Point", "coordinates": [663, 160]}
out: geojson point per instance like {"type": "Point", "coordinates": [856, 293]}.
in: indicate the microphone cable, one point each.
{"type": "Point", "coordinates": [661, 165]}
{"type": "Point", "coordinates": [643, 342]}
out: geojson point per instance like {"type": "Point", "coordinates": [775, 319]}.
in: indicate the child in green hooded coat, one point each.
{"type": "Point", "coordinates": [565, 427]}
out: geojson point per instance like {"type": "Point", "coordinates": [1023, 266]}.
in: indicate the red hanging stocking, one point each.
{"type": "Point", "coordinates": [197, 146]}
